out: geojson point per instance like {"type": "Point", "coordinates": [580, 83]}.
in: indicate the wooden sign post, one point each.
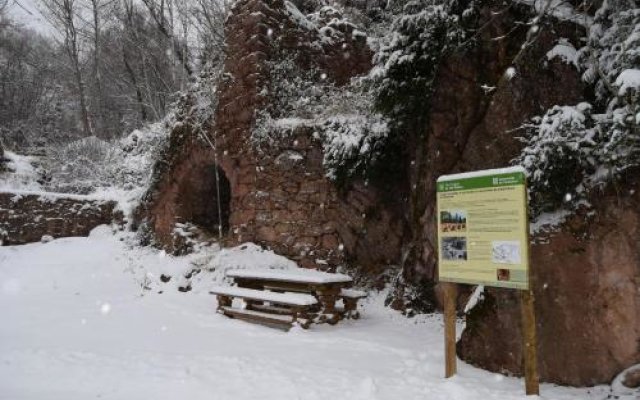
{"type": "Point", "coordinates": [529, 352]}
{"type": "Point", "coordinates": [450, 294]}
{"type": "Point", "coordinates": [483, 239]}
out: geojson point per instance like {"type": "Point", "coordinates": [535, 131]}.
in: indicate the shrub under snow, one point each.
{"type": "Point", "coordinates": [559, 152]}
{"type": "Point", "coordinates": [572, 149]}
{"type": "Point", "coordinates": [91, 164]}
{"type": "Point", "coordinates": [408, 58]}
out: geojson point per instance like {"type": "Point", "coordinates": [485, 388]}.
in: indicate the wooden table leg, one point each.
{"type": "Point", "coordinates": [328, 298]}
{"type": "Point", "coordinates": [223, 301]}
{"type": "Point", "coordinates": [351, 308]}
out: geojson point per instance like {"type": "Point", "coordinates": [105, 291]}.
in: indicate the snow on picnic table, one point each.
{"type": "Point", "coordinates": [299, 299]}
{"type": "Point", "coordinates": [78, 323]}
{"type": "Point", "coordinates": [295, 275]}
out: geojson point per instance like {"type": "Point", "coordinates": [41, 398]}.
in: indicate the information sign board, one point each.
{"type": "Point", "coordinates": [483, 228]}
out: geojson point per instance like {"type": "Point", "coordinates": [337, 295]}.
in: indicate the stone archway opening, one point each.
{"type": "Point", "coordinates": [204, 199]}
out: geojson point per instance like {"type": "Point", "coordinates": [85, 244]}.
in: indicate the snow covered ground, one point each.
{"type": "Point", "coordinates": [90, 318]}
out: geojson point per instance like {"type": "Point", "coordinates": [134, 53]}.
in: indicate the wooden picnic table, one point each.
{"type": "Point", "coordinates": [326, 287]}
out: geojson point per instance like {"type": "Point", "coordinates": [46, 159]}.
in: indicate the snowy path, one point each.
{"type": "Point", "coordinates": [75, 325]}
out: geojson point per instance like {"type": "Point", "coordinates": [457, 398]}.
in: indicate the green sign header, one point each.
{"type": "Point", "coordinates": [479, 182]}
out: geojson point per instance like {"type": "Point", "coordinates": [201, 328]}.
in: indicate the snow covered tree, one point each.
{"type": "Point", "coordinates": [408, 59]}
{"type": "Point", "coordinates": [559, 154]}
{"type": "Point", "coordinates": [573, 149]}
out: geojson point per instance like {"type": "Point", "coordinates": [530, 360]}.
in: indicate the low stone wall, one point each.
{"type": "Point", "coordinates": [26, 217]}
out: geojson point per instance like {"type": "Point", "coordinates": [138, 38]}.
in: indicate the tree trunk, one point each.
{"type": "Point", "coordinates": [62, 14]}
{"type": "Point", "coordinates": [95, 4]}
{"type": "Point", "coordinates": [134, 80]}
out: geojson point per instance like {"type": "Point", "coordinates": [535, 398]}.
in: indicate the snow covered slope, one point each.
{"type": "Point", "coordinates": [78, 323]}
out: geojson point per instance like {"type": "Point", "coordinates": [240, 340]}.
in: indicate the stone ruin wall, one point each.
{"type": "Point", "coordinates": [280, 196]}
{"type": "Point", "coordinates": [27, 217]}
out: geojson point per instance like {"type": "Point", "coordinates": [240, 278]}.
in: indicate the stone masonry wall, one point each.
{"type": "Point", "coordinates": [284, 200]}
{"type": "Point", "coordinates": [280, 197]}
{"type": "Point", "coordinates": [27, 217]}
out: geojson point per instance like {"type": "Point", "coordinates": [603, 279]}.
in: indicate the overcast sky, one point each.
{"type": "Point", "coordinates": [26, 12]}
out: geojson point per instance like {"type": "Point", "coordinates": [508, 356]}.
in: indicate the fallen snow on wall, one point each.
{"type": "Point", "coordinates": [52, 197]}
{"type": "Point", "coordinates": [123, 176]}
{"type": "Point", "coordinates": [84, 322]}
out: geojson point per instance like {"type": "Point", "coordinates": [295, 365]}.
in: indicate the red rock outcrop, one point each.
{"type": "Point", "coordinates": [586, 280]}
{"type": "Point", "coordinates": [586, 276]}
{"type": "Point", "coordinates": [472, 128]}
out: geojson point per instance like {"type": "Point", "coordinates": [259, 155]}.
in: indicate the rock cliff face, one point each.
{"type": "Point", "coordinates": [586, 280]}
{"type": "Point", "coordinates": [586, 276]}
{"type": "Point", "coordinates": [471, 128]}
{"type": "Point", "coordinates": [278, 197]}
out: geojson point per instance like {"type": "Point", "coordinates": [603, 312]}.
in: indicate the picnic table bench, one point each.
{"type": "Point", "coordinates": [298, 305]}
{"type": "Point", "coordinates": [282, 298]}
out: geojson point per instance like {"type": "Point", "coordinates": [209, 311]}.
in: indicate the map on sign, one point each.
{"type": "Point", "coordinates": [482, 228]}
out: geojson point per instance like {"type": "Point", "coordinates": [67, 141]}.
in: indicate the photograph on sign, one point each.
{"type": "Point", "coordinates": [482, 228]}
{"type": "Point", "coordinates": [454, 248]}
{"type": "Point", "coordinates": [453, 220]}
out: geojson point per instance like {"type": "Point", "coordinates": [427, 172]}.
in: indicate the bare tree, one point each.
{"type": "Point", "coordinates": [113, 64]}
{"type": "Point", "coordinates": [4, 21]}
{"type": "Point", "coordinates": [96, 9]}
{"type": "Point", "coordinates": [96, 6]}
{"type": "Point", "coordinates": [130, 31]}
{"type": "Point", "coordinates": [63, 15]}
{"type": "Point", "coordinates": [154, 76]}
{"type": "Point", "coordinates": [33, 98]}
{"type": "Point", "coordinates": [209, 17]}
{"type": "Point", "coordinates": [162, 12]}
